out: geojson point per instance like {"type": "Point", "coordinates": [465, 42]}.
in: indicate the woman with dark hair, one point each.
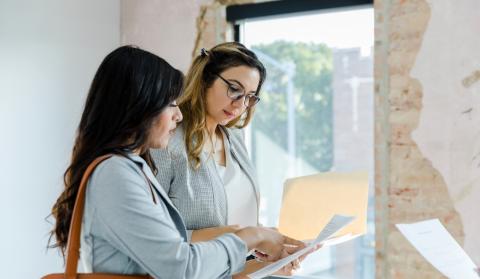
{"type": "Point", "coordinates": [129, 224]}
{"type": "Point", "coordinates": [206, 170]}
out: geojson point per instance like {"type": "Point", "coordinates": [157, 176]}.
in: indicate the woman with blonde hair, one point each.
{"type": "Point", "coordinates": [206, 170]}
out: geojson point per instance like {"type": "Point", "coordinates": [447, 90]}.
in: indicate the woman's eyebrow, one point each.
{"type": "Point", "coordinates": [239, 83]}
{"type": "Point", "coordinates": [236, 81]}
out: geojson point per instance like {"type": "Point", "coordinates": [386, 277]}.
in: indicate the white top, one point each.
{"type": "Point", "coordinates": [241, 200]}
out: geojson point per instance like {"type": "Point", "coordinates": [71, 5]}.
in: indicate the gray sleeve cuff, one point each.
{"type": "Point", "coordinates": [236, 250]}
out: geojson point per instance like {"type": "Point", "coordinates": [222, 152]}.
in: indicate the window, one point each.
{"type": "Point", "coordinates": [315, 114]}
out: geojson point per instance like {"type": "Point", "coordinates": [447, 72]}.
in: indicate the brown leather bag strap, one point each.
{"type": "Point", "coordinates": [73, 244]}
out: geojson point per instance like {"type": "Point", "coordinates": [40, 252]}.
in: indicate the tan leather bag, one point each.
{"type": "Point", "coordinates": [73, 245]}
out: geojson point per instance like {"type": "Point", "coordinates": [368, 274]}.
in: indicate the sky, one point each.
{"type": "Point", "coordinates": [336, 28]}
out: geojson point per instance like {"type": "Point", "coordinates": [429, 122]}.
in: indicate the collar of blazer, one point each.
{"type": "Point", "coordinates": [174, 213]}
{"type": "Point", "coordinates": [148, 172]}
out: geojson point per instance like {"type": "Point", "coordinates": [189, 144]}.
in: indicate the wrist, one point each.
{"type": "Point", "coordinates": [251, 236]}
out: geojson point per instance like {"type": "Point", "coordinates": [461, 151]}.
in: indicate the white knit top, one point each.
{"type": "Point", "coordinates": [241, 200]}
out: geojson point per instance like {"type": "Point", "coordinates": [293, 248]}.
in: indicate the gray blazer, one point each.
{"type": "Point", "coordinates": [128, 233]}
{"type": "Point", "coordinates": [199, 195]}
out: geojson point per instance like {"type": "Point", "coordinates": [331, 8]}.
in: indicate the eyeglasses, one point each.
{"type": "Point", "coordinates": [236, 93]}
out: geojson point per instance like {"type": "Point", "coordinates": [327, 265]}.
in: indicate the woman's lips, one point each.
{"type": "Point", "coordinates": [229, 114]}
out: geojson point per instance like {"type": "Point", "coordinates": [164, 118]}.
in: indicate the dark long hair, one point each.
{"type": "Point", "coordinates": [131, 87]}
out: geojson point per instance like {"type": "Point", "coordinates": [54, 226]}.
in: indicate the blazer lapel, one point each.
{"type": "Point", "coordinates": [174, 214]}
{"type": "Point", "coordinates": [158, 187]}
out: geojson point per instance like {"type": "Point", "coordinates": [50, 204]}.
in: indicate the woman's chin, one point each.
{"type": "Point", "coordinates": [161, 144]}
{"type": "Point", "coordinates": [225, 121]}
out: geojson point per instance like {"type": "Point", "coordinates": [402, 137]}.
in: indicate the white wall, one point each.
{"type": "Point", "coordinates": [49, 52]}
{"type": "Point", "coordinates": [164, 27]}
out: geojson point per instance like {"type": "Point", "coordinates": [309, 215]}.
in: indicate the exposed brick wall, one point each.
{"type": "Point", "coordinates": [408, 188]}
{"type": "Point", "coordinates": [211, 24]}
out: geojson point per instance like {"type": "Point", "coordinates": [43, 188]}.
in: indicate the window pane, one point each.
{"type": "Point", "coordinates": [315, 115]}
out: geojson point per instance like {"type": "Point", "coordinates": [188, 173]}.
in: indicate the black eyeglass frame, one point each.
{"type": "Point", "coordinates": [246, 97]}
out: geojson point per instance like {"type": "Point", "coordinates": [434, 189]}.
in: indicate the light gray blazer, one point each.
{"type": "Point", "coordinates": [199, 195]}
{"type": "Point", "coordinates": [130, 234]}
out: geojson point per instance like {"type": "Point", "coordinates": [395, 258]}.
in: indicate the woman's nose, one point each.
{"type": "Point", "coordinates": [239, 102]}
{"type": "Point", "coordinates": [178, 115]}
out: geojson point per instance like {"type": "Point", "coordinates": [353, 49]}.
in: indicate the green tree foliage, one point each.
{"type": "Point", "coordinates": [313, 99]}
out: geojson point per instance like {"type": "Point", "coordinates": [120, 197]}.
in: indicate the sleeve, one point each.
{"type": "Point", "coordinates": [145, 232]}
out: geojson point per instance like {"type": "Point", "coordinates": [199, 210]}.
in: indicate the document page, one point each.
{"type": "Point", "coordinates": [336, 223]}
{"type": "Point", "coordinates": [439, 248]}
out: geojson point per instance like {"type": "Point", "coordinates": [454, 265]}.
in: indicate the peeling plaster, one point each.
{"type": "Point", "coordinates": [471, 79]}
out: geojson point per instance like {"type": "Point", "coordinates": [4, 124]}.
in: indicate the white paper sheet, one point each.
{"type": "Point", "coordinates": [439, 248]}
{"type": "Point", "coordinates": [339, 239]}
{"type": "Point", "coordinates": [336, 223]}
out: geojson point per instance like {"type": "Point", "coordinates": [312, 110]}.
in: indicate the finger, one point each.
{"type": "Point", "coordinates": [301, 258]}
{"type": "Point", "coordinates": [293, 249]}
{"type": "Point", "coordinates": [287, 270]}
{"type": "Point", "coordinates": [292, 241]}
{"type": "Point", "coordinates": [291, 268]}
{"type": "Point", "coordinates": [274, 253]}
{"type": "Point", "coordinates": [260, 254]}
{"type": "Point", "coordinates": [272, 258]}
{"type": "Point", "coordinates": [296, 264]}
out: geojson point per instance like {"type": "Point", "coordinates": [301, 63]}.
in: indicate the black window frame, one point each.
{"type": "Point", "coordinates": [236, 13]}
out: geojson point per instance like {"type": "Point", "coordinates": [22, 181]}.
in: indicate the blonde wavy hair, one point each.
{"type": "Point", "coordinates": [200, 77]}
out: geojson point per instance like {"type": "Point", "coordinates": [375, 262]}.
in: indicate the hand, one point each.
{"type": "Point", "coordinates": [254, 265]}
{"type": "Point", "coordinates": [315, 248]}
{"type": "Point", "coordinates": [267, 241]}
{"type": "Point", "coordinates": [290, 268]}
{"type": "Point", "coordinates": [274, 245]}
{"type": "Point", "coordinates": [211, 233]}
